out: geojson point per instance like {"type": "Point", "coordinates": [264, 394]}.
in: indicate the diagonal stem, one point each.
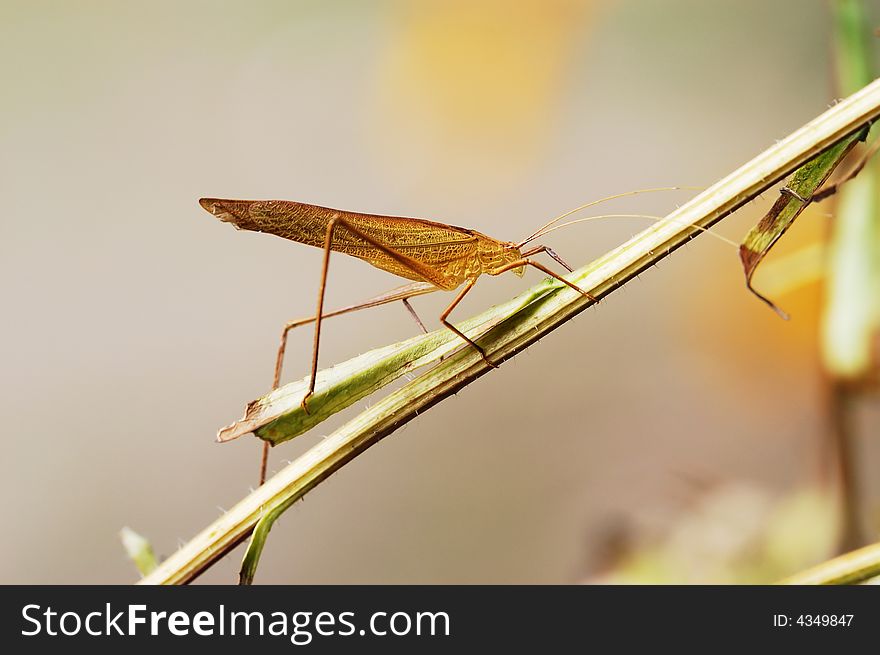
{"type": "Point", "coordinates": [856, 567]}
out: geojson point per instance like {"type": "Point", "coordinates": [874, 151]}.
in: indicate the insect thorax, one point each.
{"type": "Point", "coordinates": [495, 255]}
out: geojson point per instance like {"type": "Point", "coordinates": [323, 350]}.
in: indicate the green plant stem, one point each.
{"type": "Point", "coordinates": [851, 568]}
{"type": "Point", "coordinates": [526, 326]}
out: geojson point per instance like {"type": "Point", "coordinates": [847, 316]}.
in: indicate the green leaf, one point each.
{"type": "Point", "coordinates": [139, 550]}
{"type": "Point", "coordinates": [796, 197]}
{"type": "Point", "coordinates": [278, 416]}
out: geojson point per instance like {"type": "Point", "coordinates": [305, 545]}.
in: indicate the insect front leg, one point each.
{"type": "Point", "coordinates": [525, 261]}
{"type": "Point", "coordinates": [551, 253]}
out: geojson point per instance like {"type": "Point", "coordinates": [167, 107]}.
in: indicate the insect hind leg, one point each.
{"type": "Point", "coordinates": [403, 293]}
{"type": "Point", "coordinates": [428, 275]}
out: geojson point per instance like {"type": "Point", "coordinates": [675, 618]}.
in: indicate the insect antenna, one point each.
{"type": "Point", "coordinates": [651, 216]}
{"type": "Point", "coordinates": [540, 231]}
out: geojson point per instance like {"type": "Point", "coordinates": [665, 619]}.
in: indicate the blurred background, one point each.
{"type": "Point", "coordinates": [678, 432]}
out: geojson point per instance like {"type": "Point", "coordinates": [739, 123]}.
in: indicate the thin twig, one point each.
{"type": "Point", "coordinates": [851, 568]}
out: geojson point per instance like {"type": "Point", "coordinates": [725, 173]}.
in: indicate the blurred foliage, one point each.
{"type": "Point", "coordinates": [731, 533]}
{"type": "Point", "coordinates": [851, 323]}
{"type": "Point", "coordinates": [737, 533]}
